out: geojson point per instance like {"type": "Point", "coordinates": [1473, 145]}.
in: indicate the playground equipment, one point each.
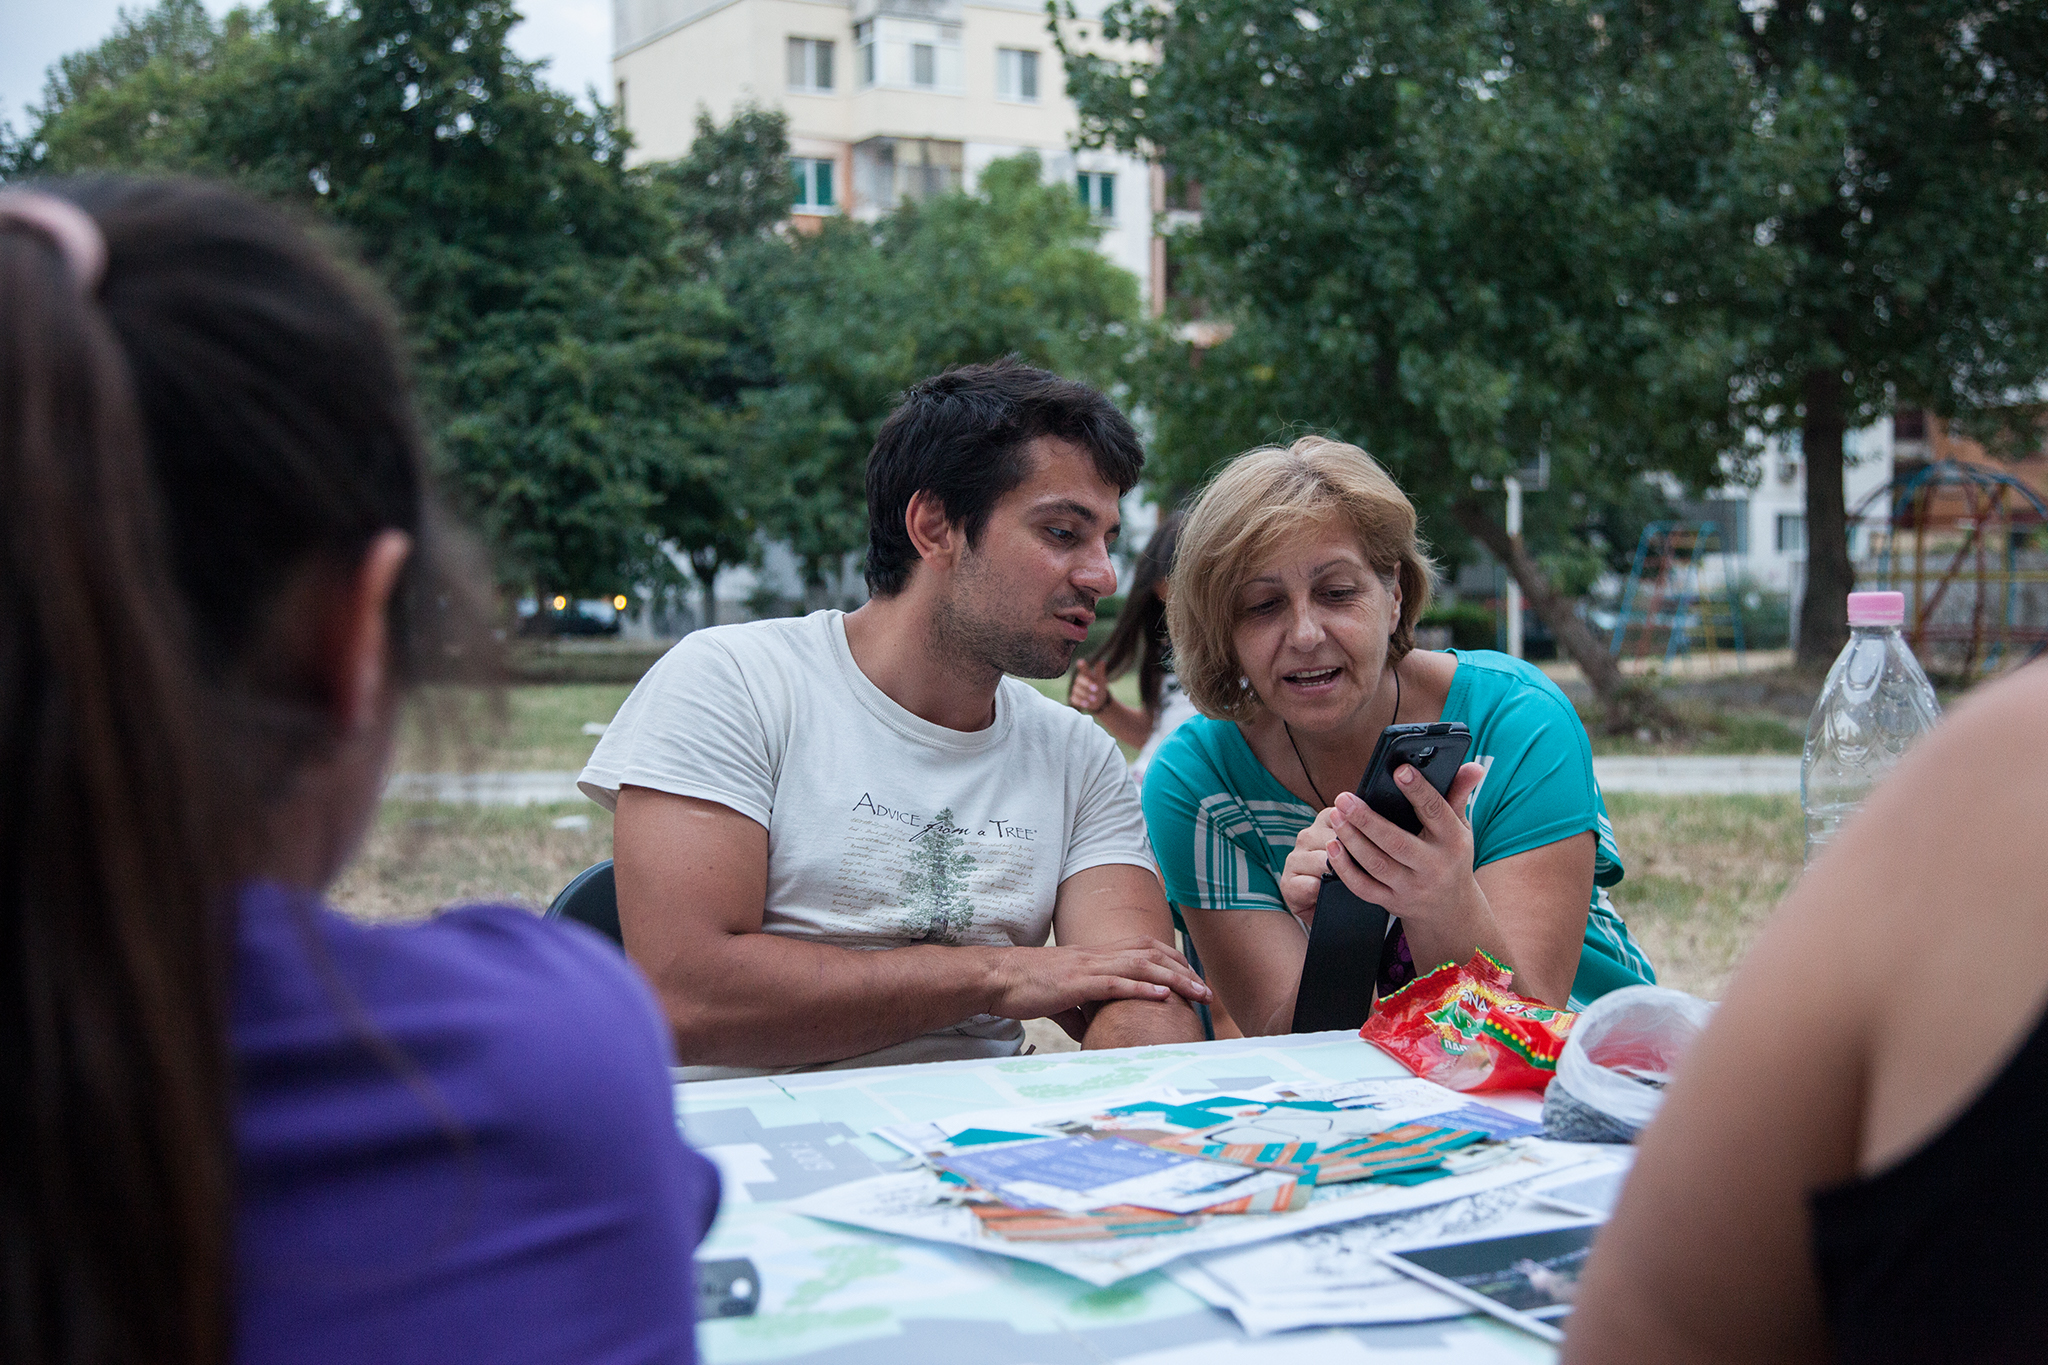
{"type": "Point", "coordinates": [1968, 546]}
{"type": "Point", "coordinates": [1665, 610]}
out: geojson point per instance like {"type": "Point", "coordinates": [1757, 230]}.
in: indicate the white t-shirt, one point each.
{"type": "Point", "coordinates": [884, 830]}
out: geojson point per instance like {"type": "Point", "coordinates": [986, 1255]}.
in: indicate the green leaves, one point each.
{"type": "Point", "coordinates": [858, 312]}
{"type": "Point", "coordinates": [616, 365]}
{"type": "Point", "coordinates": [1456, 233]}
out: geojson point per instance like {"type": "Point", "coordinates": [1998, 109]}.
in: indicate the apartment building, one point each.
{"type": "Point", "coordinates": [888, 100]}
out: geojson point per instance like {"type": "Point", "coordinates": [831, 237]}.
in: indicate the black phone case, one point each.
{"type": "Point", "coordinates": [1341, 968]}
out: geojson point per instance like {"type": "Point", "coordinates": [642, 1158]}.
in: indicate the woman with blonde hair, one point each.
{"type": "Point", "coordinates": [1298, 580]}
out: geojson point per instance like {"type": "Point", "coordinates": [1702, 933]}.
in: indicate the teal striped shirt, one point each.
{"type": "Point", "coordinates": [1222, 826]}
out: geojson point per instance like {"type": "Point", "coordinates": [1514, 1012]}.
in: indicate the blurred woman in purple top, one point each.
{"type": "Point", "coordinates": [234, 1125]}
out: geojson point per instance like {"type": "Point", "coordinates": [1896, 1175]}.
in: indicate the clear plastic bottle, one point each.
{"type": "Point", "coordinates": [1876, 702]}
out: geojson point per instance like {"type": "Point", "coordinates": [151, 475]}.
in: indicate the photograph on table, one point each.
{"type": "Point", "coordinates": [1527, 1278]}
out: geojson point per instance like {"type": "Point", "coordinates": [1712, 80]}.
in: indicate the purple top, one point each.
{"type": "Point", "coordinates": [456, 1140]}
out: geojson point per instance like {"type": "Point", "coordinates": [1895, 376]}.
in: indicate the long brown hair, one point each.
{"type": "Point", "coordinates": [1140, 631]}
{"type": "Point", "coordinates": [174, 444]}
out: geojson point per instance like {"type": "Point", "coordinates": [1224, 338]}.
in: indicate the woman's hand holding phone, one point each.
{"type": "Point", "coordinates": [1425, 879]}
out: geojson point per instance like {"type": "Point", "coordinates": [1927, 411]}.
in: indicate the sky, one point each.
{"type": "Point", "coordinates": [574, 36]}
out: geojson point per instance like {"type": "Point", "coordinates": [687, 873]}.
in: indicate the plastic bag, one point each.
{"type": "Point", "coordinates": [1625, 1048]}
{"type": "Point", "coordinates": [1466, 1029]}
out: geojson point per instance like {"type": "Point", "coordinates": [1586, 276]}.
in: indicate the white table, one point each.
{"type": "Point", "coordinates": [851, 1297]}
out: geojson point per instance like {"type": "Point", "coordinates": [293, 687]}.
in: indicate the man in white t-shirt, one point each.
{"type": "Point", "coordinates": [842, 839]}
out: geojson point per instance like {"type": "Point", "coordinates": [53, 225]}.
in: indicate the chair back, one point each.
{"type": "Point", "coordinates": [592, 899]}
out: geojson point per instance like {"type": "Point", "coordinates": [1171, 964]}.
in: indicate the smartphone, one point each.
{"type": "Point", "coordinates": [1435, 749]}
{"type": "Point", "coordinates": [1345, 943]}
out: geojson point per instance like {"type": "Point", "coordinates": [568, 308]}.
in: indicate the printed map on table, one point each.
{"type": "Point", "coordinates": [782, 1137]}
{"type": "Point", "coordinates": [1339, 1152]}
{"type": "Point", "coordinates": [835, 1294]}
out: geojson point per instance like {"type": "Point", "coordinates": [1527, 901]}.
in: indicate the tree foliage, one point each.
{"type": "Point", "coordinates": [1460, 234]}
{"type": "Point", "coordinates": [615, 363]}
{"type": "Point", "coordinates": [857, 312]}
{"type": "Point", "coordinates": [1918, 277]}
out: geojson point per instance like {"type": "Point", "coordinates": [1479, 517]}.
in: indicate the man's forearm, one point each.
{"type": "Point", "coordinates": [771, 1000]}
{"type": "Point", "coordinates": [1142, 1023]}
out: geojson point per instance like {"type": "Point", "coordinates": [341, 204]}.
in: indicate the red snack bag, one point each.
{"type": "Point", "coordinates": [1466, 1029]}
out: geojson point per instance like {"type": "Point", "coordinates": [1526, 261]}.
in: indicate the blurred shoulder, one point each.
{"type": "Point", "coordinates": [485, 971]}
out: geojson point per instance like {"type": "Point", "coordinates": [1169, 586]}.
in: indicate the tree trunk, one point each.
{"type": "Point", "coordinates": [1629, 705]}
{"type": "Point", "coordinates": [705, 567]}
{"type": "Point", "coordinates": [1824, 609]}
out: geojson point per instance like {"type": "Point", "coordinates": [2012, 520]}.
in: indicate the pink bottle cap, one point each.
{"type": "Point", "coordinates": [1877, 608]}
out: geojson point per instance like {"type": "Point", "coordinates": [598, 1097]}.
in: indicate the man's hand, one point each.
{"type": "Point", "coordinates": [1037, 983]}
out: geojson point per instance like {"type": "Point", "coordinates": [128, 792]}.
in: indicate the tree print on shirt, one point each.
{"type": "Point", "coordinates": [936, 884]}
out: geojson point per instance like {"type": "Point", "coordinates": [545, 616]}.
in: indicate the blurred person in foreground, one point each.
{"type": "Point", "coordinates": [237, 1125]}
{"type": "Point", "coordinates": [1848, 1166]}
{"type": "Point", "coordinates": [842, 839]}
{"type": "Point", "coordinates": [1297, 583]}
{"type": "Point", "coordinates": [1140, 639]}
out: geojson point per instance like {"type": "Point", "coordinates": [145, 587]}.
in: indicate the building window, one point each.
{"type": "Point", "coordinates": [1098, 192]}
{"type": "Point", "coordinates": [810, 64]}
{"type": "Point", "coordinates": [889, 170]}
{"type": "Point", "coordinates": [813, 185]}
{"type": "Point", "coordinates": [1730, 520]}
{"type": "Point", "coordinates": [1791, 533]}
{"type": "Point", "coordinates": [909, 54]}
{"type": "Point", "coordinates": [1016, 75]}
{"type": "Point", "coordinates": [1791, 446]}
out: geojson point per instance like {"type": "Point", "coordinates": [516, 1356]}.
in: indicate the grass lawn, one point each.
{"type": "Point", "coordinates": [1703, 871]}
{"type": "Point", "coordinates": [421, 856]}
{"type": "Point", "coordinates": [538, 727]}
{"type": "Point", "coordinates": [524, 728]}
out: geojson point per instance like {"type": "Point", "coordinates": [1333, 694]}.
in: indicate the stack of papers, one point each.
{"type": "Point", "coordinates": [1341, 1276]}
{"type": "Point", "coordinates": [1081, 1175]}
{"type": "Point", "coordinates": [1114, 1189]}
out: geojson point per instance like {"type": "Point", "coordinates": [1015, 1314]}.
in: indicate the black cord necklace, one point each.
{"type": "Point", "coordinates": [1304, 762]}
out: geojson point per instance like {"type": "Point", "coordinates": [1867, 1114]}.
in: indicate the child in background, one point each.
{"type": "Point", "coordinates": [1139, 636]}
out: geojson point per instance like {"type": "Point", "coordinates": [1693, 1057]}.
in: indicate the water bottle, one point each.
{"type": "Point", "coordinates": [1876, 702]}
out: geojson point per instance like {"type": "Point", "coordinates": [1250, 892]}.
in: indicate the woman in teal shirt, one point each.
{"type": "Point", "coordinates": [1299, 578]}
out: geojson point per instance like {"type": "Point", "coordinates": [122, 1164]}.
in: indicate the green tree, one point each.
{"type": "Point", "coordinates": [722, 199]}
{"type": "Point", "coordinates": [857, 312]}
{"type": "Point", "coordinates": [575, 352]}
{"type": "Point", "coordinates": [1918, 277]}
{"type": "Point", "coordinates": [1461, 234]}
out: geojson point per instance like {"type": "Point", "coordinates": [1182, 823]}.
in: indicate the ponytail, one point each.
{"type": "Point", "coordinates": [116, 1201]}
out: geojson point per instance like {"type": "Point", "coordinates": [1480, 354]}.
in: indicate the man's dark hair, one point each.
{"type": "Point", "coordinates": [961, 437]}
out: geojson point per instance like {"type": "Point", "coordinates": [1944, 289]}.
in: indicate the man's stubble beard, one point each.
{"type": "Point", "coordinates": [964, 629]}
